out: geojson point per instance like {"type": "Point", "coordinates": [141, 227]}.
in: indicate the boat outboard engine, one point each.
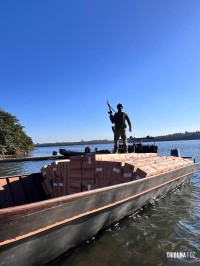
{"type": "Point", "coordinates": [175, 152]}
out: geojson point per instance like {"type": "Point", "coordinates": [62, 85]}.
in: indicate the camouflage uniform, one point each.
{"type": "Point", "coordinates": [119, 120]}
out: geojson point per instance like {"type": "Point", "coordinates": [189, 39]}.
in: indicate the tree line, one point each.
{"type": "Point", "coordinates": [13, 138]}
{"type": "Point", "coordinates": [82, 142]}
{"type": "Point", "coordinates": [180, 136]}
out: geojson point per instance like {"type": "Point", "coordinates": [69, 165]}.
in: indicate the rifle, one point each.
{"type": "Point", "coordinates": [110, 112]}
{"type": "Point", "coordinates": [110, 108]}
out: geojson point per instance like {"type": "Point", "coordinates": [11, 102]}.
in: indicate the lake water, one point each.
{"type": "Point", "coordinates": [155, 235]}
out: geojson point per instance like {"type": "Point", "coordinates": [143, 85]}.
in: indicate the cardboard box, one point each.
{"type": "Point", "coordinates": [48, 188]}
{"type": "Point", "coordinates": [144, 171]}
{"type": "Point", "coordinates": [74, 186]}
{"type": "Point", "coordinates": [61, 170]}
{"type": "Point", "coordinates": [75, 174]}
{"type": "Point", "coordinates": [47, 184]}
{"type": "Point", "coordinates": [103, 173]}
{"type": "Point", "coordinates": [117, 173]}
{"type": "Point", "coordinates": [127, 172]}
{"type": "Point", "coordinates": [75, 167]}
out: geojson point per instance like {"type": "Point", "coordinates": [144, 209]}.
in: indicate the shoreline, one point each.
{"type": "Point", "coordinates": [38, 158]}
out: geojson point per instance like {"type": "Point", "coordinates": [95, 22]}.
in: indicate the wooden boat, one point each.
{"type": "Point", "coordinates": [35, 230]}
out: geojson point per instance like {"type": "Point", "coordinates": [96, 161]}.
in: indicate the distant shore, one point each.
{"type": "Point", "coordinates": [157, 139]}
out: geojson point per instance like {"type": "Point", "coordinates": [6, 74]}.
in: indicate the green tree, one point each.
{"type": "Point", "coordinates": [12, 136]}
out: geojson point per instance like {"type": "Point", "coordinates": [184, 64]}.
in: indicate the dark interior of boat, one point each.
{"type": "Point", "coordinates": [19, 190]}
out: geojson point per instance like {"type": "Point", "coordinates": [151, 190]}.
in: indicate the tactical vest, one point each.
{"type": "Point", "coordinates": [120, 120]}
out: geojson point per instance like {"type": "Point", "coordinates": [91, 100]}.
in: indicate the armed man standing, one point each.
{"type": "Point", "coordinates": [119, 119]}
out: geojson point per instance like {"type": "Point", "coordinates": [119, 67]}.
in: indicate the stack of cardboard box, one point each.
{"type": "Point", "coordinates": [88, 173]}
{"type": "Point", "coordinates": [47, 183]}
{"type": "Point", "coordinates": [61, 171]}
{"type": "Point", "coordinates": [75, 174]}
{"type": "Point", "coordinates": [56, 177]}
{"type": "Point", "coordinates": [83, 173]}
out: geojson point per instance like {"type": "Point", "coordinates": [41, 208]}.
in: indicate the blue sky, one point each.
{"type": "Point", "coordinates": [60, 61]}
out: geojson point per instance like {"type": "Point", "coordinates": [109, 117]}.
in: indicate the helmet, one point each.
{"type": "Point", "coordinates": [119, 105]}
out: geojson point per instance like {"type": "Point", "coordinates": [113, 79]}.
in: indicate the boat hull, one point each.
{"type": "Point", "coordinates": [51, 228]}
{"type": "Point", "coordinates": [68, 153]}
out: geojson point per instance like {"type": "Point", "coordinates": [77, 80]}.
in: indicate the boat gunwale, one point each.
{"type": "Point", "coordinates": [31, 208]}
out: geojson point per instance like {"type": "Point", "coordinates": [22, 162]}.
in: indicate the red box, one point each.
{"type": "Point", "coordinates": [144, 171]}
{"type": "Point", "coordinates": [61, 168]}
{"type": "Point", "coordinates": [75, 173]}
{"type": "Point", "coordinates": [116, 173]}
{"type": "Point", "coordinates": [103, 173]}
{"type": "Point", "coordinates": [127, 172]}
{"type": "Point", "coordinates": [48, 188]}
{"type": "Point", "coordinates": [74, 186]}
